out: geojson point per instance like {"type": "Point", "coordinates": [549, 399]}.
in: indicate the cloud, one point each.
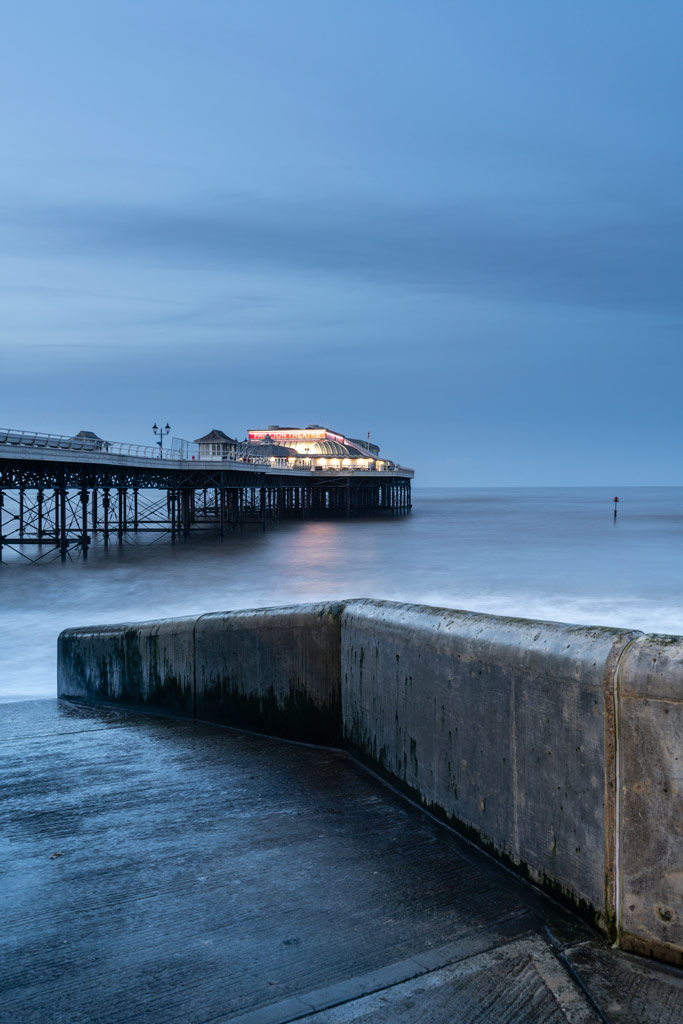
{"type": "Point", "coordinates": [595, 254]}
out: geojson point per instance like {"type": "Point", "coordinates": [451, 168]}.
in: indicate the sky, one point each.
{"type": "Point", "coordinates": [455, 225]}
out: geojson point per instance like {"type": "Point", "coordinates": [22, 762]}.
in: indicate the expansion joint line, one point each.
{"type": "Point", "coordinates": [194, 665]}
{"type": "Point", "coordinates": [568, 967]}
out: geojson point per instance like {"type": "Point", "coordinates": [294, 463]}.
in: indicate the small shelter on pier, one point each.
{"type": "Point", "coordinates": [217, 445]}
{"type": "Point", "coordinates": [90, 441]}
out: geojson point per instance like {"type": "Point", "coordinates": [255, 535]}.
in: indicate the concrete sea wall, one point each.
{"type": "Point", "coordinates": [558, 748]}
{"type": "Point", "coordinates": [275, 670]}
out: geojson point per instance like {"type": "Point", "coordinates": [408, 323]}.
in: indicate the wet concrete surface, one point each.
{"type": "Point", "coordinates": [161, 870]}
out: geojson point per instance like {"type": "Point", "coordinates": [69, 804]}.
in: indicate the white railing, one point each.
{"type": "Point", "coordinates": [32, 439]}
{"type": "Point", "coordinates": [189, 452]}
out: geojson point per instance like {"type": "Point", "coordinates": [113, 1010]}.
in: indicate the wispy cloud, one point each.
{"type": "Point", "coordinates": [591, 254]}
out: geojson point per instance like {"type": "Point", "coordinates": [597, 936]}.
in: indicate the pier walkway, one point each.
{"type": "Point", "coordinates": [161, 870]}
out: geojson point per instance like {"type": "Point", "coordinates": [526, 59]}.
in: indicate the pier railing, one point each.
{"type": "Point", "coordinates": [33, 439]}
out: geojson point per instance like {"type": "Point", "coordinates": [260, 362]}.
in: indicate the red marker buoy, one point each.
{"type": "Point", "coordinates": [616, 502]}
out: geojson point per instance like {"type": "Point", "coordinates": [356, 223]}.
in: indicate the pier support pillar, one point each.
{"type": "Point", "coordinates": [105, 506]}
{"type": "Point", "coordinates": [85, 539]}
{"type": "Point", "coordinates": [55, 521]}
{"type": "Point", "coordinates": [185, 510]}
{"type": "Point", "coordinates": [62, 523]}
{"type": "Point", "coordinates": [172, 513]}
{"type": "Point", "coordinates": [122, 513]}
{"type": "Point", "coordinates": [39, 499]}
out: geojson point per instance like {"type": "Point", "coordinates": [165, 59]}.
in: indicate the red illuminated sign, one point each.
{"type": "Point", "coordinates": [294, 435]}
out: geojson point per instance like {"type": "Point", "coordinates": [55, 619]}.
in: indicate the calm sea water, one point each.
{"type": "Point", "coordinates": [542, 553]}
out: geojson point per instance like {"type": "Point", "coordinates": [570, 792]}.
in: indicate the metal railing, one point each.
{"type": "Point", "coordinates": [189, 452]}
{"type": "Point", "coordinates": [32, 439]}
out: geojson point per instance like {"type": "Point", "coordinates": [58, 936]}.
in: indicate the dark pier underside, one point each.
{"type": "Point", "coordinates": [60, 506]}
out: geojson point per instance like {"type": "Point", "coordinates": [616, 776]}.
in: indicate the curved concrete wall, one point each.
{"type": "Point", "coordinates": [148, 665]}
{"type": "Point", "coordinates": [497, 723]}
{"type": "Point", "coordinates": [557, 747]}
{"type": "Point", "coordinates": [275, 669]}
{"type": "Point", "coordinates": [649, 820]}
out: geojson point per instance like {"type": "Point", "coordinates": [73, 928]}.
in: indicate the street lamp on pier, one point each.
{"type": "Point", "coordinates": [161, 431]}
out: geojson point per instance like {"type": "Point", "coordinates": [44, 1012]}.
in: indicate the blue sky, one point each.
{"type": "Point", "coordinates": [456, 225]}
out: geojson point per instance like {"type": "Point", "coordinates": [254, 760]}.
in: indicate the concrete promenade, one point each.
{"type": "Point", "coordinates": [163, 870]}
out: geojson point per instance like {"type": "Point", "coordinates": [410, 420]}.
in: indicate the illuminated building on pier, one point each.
{"type": "Point", "coordinates": [317, 447]}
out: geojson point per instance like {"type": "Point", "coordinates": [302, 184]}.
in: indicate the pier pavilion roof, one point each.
{"type": "Point", "coordinates": [215, 436]}
{"type": "Point", "coordinates": [269, 450]}
{"type": "Point", "coordinates": [94, 441]}
{"type": "Point", "coordinates": [90, 435]}
{"type": "Point", "coordinates": [315, 440]}
{"type": "Point", "coordinates": [333, 448]}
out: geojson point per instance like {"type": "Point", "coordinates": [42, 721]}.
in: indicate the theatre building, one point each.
{"type": "Point", "coordinates": [317, 447]}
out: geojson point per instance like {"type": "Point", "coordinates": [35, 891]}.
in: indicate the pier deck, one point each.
{"type": "Point", "coordinates": [169, 871]}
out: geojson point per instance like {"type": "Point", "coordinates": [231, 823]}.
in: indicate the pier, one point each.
{"type": "Point", "coordinates": [58, 493]}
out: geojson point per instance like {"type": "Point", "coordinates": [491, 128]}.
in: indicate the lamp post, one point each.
{"type": "Point", "coordinates": [161, 431]}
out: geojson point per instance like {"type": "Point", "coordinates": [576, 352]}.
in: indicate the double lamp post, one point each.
{"type": "Point", "coordinates": [160, 431]}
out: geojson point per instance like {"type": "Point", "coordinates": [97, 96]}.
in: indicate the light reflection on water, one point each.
{"type": "Point", "coordinates": [541, 553]}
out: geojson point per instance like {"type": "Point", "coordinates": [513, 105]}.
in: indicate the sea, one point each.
{"type": "Point", "coordinates": [548, 553]}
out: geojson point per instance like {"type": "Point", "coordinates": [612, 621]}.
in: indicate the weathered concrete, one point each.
{"type": "Point", "coordinates": [148, 665]}
{"type": "Point", "coordinates": [650, 820]}
{"type": "Point", "coordinates": [556, 747]}
{"type": "Point", "coordinates": [499, 724]}
{"type": "Point", "coordinates": [167, 871]}
{"type": "Point", "coordinates": [275, 670]}
{"type": "Point", "coordinates": [91, 664]}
